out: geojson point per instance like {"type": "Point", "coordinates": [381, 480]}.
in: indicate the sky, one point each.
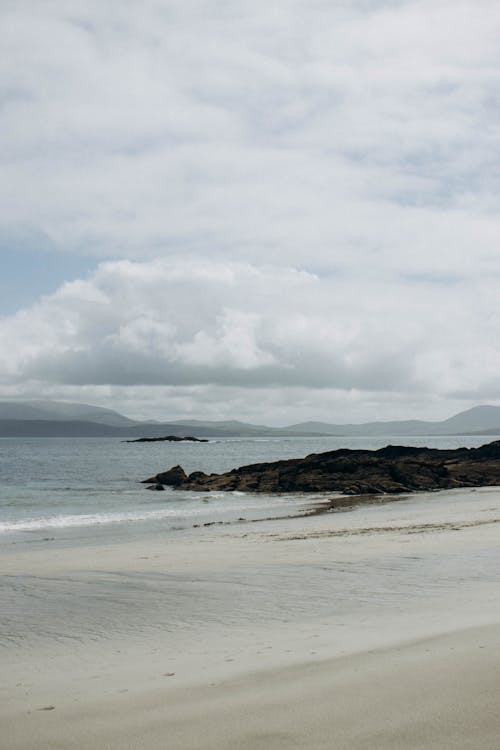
{"type": "Point", "coordinates": [271, 211]}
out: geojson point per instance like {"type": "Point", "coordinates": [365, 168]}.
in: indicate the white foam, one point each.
{"type": "Point", "coordinates": [91, 519]}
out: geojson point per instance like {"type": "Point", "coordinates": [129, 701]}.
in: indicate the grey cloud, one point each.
{"type": "Point", "coordinates": [182, 322]}
{"type": "Point", "coordinates": [98, 367]}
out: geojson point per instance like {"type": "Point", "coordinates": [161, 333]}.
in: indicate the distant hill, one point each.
{"type": "Point", "coordinates": [478, 420]}
{"type": "Point", "coordinates": [63, 419]}
{"type": "Point", "coordinates": [61, 410]}
{"type": "Point", "coordinates": [240, 429]}
{"type": "Point", "coordinates": [61, 428]}
{"type": "Point", "coordinates": [82, 428]}
{"type": "Point", "coordinates": [367, 429]}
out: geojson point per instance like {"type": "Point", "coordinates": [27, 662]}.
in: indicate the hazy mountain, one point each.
{"type": "Point", "coordinates": [58, 428]}
{"type": "Point", "coordinates": [62, 419]}
{"type": "Point", "coordinates": [237, 428]}
{"type": "Point", "coordinates": [368, 429]}
{"type": "Point", "coordinates": [61, 411]}
{"type": "Point", "coordinates": [83, 428]}
{"type": "Point", "coordinates": [475, 420]}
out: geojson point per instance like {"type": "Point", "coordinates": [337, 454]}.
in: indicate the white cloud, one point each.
{"type": "Point", "coordinates": [308, 190]}
{"type": "Point", "coordinates": [318, 132]}
{"type": "Point", "coordinates": [217, 328]}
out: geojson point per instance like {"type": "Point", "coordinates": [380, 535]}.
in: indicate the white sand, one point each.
{"type": "Point", "coordinates": [373, 629]}
{"type": "Point", "coordinates": [440, 693]}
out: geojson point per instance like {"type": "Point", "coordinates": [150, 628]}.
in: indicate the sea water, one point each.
{"type": "Point", "coordinates": [80, 536]}
{"type": "Point", "coordinates": [89, 489]}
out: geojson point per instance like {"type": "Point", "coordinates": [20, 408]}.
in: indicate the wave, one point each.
{"type": "Point", "coordinates": [188, 510]}
{"type": "Point", "coordinates": [91, 519]}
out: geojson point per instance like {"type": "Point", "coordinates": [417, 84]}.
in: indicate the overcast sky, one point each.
{"type": "Point", "coordinates": [268, 210]}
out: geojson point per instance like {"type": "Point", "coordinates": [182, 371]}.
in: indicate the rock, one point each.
{"type": "Point", "coordinates": [393, 469]}
{"type": "Point", "coordinates": [174, 477]}
{"type": "Point", "coordinates": [168, 438]}
{"type": "Point", "coordinates": [157, 487]}
{"type": "Point", "coordinates": [196, 475]}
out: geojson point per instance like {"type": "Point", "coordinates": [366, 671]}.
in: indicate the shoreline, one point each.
{"type": "Point", "coordinates": [373, 628]}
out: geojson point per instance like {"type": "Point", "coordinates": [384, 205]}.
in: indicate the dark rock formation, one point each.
{"type": "Point", "coordinates": [174, 477]}
{"type": "Point", "coordinates": [391, 469]}
{"type": "Point", "coordinates": [168, 438]}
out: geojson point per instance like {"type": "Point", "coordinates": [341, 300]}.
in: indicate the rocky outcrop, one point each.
{"type": "Point", "coordinates": [168, 438]}
{"type": "Point", "coordinates": [393, 469]}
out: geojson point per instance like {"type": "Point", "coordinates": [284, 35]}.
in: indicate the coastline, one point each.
{"type": "Point", "coordinates": [393, 469]}
{"type": "Point", "coordinates": [374, 627]}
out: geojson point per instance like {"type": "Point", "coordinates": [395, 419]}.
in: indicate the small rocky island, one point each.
{"type": "Point", "coordinates": [167, 438]}
{"type": "Point", "coordinates": [393, 469]}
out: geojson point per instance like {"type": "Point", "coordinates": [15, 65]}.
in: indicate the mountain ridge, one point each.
{"type": "Point", "coordinates": [67, 419]}
{"type": "Point", "coordinates": [44, 409]}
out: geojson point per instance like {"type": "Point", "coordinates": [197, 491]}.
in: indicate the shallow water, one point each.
{"type": "Point", "coordinates": [80, 490]}
{"type": "Point", "coordinates": [357, 574]}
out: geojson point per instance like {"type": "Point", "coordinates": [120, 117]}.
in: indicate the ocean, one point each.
{"type": "Point", "coordinates": [86, 490]}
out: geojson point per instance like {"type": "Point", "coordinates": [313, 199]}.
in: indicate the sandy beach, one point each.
{"type": "Point", "coordinates": [372, 628]}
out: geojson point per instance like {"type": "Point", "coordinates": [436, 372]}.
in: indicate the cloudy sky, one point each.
{"type": "Point", "coordinates": [268, 210]}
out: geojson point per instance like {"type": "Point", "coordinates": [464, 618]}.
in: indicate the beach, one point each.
{"type": "Point", "coordinates": [437, 693]}
{"type": "Point", "coordinates": [373, 627]}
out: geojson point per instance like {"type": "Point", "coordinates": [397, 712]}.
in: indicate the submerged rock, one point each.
{"type": "Point", "coordinates": [393, 469]}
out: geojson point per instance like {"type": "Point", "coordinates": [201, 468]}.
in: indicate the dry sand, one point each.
{"type": "Point", "coordinates": [438, 693]}
{"type": "Point", "coordinates": [372, 629]}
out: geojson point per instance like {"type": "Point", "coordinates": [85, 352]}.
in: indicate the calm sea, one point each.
{"type": "Point", "coordinates": [89, 489]}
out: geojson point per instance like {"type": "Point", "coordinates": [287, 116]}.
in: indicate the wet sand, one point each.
{"type": "Point", "coordinates": [375, 628]}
